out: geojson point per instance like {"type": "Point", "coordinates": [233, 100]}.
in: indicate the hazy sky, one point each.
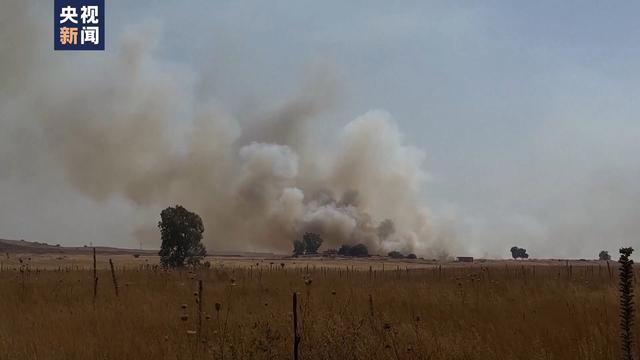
{"type": "Point", "coordinates": [526, 111]}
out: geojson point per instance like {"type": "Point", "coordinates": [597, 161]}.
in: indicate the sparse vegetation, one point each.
{"type": "Point", "coordinates": [492, 312]}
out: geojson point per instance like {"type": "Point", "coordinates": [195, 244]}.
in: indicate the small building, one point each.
{"type": "Point", "coordinates": [465, 259]}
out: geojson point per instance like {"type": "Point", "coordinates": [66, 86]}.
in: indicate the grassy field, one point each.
{"type": "Point", "coordinates": [494, 310]}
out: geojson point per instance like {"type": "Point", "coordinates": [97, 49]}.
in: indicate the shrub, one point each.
{"type": "Point", "coordinates": [395, 254]}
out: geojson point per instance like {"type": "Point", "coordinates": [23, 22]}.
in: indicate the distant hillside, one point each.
{"type": "Point", "coordinates": [34, 247]}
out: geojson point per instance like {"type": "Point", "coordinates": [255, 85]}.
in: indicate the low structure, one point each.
{"type": "Point", "coordinates": [465, 258]}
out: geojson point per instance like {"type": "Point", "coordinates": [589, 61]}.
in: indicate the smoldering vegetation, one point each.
{"type": "Point", "coordinates": [128, 124]}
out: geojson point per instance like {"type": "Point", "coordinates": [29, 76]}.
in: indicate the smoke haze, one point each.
{"type": "Point", "coordinates": [136, 130]}
{"type": "Point", "coordinates": [503, 126]}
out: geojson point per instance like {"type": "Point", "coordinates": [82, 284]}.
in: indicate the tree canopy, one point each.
{"type": "Point", "coordinates": [359, 250]}
{"type": "Point", "coordinates": [298, 247]}
{"type": "Point", "coordinates": [312, 242]}
{"type": "Point", "coordinates": [519, 253]}
{"type": "Point", "coordinates": [604, 255]}
{"type": "Point", "coordinates": [181, 234]}
{"type": "Point", "coordinates": [309, 244]}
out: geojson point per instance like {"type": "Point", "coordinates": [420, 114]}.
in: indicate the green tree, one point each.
{"type": "Point", "coordinates": [514, 252]}
{"type": "Point", "coordinates": [298, 247]}
{"type": "Point", "coordinates": [604, 255]}
{"type": "Point", "coordinates": [345, 250]}
{"type": "Point", "coordinates": [181, 234]}
{"type": "Point", "coordinates": [359, 250]}
{"type": "Point", "coordinates": [312, 242]}
{"type": "Point", "coordinates": [517, 252]}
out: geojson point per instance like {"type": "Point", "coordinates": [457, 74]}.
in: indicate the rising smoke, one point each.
{"type": "Point", "coordinates": [136, 129]}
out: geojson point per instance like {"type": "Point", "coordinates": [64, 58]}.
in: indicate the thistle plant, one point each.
{"type": "Point", "coordinates": [626, 302]}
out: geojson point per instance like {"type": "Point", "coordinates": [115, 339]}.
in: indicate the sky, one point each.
{"type": "Point", "coordinates": [525, 111]}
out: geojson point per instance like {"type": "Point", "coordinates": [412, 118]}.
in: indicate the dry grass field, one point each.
{"type": "Point", "coordinates": [493, 310]}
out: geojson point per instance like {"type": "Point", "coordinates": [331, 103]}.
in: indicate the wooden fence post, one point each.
{"type": "Point", "coordinates": [113, 277]}
{"type": "Point", "coordinates": [296, 336]}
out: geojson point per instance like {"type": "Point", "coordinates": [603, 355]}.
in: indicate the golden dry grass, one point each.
{"type": "Point", "coordinates": [494, 311]}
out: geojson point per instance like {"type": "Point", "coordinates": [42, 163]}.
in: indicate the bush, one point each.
{"type": "Point", "coordinates": [395, 255]}
{"type": "Point", "coordinates": [412, 256]}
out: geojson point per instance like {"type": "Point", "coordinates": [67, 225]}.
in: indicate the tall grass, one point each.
{"type": "Point", "coordinates": [441, 312]}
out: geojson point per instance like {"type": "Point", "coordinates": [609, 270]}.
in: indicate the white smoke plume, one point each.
{"type": "Point", "coordinates": [137, 129]}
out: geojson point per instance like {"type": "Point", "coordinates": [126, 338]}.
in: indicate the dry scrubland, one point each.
{"type": "Point", "coordinates": [498, 310]}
